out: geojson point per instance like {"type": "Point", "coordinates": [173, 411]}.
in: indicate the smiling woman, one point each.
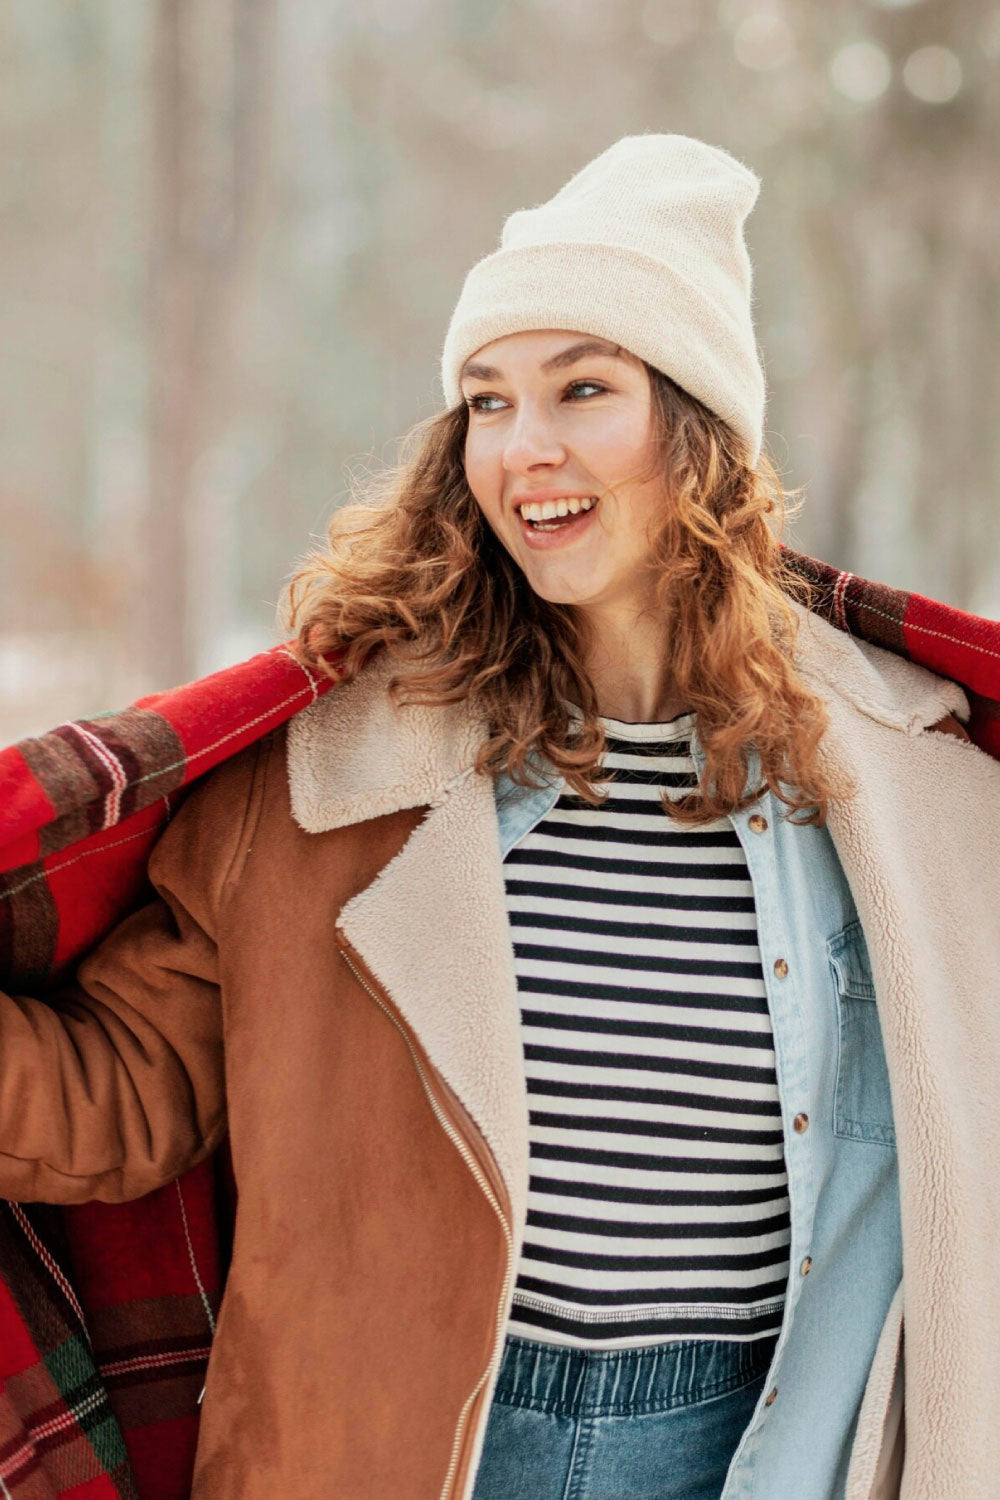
{"type": "Point", "coordinates": [584, 552]}
{"type": "Point", "coordinates": [663, 591]}
{"type": "Point", "coordinates": [581, 1093]}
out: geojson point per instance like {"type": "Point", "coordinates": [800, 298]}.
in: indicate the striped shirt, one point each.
{"type": "Point", "coordinates": [657, 1201]}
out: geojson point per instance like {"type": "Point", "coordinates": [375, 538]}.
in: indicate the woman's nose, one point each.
{"type": "Point", "coordinates": [532, 439]}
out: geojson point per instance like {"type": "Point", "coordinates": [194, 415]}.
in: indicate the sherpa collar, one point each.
{"type": "Point", "coordinates": [353, 756]}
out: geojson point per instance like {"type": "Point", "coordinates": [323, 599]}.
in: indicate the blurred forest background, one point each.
{"type": "Point", "coordinates": [233, 232]}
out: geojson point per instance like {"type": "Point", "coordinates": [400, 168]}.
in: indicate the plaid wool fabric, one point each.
{"type": "Point", "coordinates": [107, 1311]}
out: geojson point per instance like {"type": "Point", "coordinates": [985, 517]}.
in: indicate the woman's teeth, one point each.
{"type": "Point", "coordinates": [555, 510]}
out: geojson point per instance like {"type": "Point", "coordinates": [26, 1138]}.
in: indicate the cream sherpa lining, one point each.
{"type": "Point", "coordinates": [882, 1404]}
{"type": "Point", "coordinates": [433, 926]}
{"type": "Point", "coordinates": [919, 849]}
{"type": "Point", "coordinates": [883, 686]}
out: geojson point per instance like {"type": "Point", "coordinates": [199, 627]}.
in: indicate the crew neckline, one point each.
{"type": "Point", "coordinates": [627, 729]}
{"type": "Point", "coordinates": [666, 729]}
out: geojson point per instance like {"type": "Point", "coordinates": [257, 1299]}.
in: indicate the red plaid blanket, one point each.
{"type": "Point", "coordinates": [107, 1311]}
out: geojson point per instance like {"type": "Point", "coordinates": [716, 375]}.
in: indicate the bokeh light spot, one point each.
{"type": "Point", "coordinates": [763, 40]}
{"type": "Point", "coordinates": [933, 74]}
{"type": "Point", "coordinates": [861, 71]}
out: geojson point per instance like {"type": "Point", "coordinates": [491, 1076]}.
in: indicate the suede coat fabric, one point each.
{"type": "Point", "coordinates": [326, 971]}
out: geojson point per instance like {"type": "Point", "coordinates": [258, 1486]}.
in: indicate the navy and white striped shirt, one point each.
{"type": "Point", "coordinates": [657, 1203]}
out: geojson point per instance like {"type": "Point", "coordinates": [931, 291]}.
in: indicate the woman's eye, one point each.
{"type": "Point", "coordinates": [474, 401]}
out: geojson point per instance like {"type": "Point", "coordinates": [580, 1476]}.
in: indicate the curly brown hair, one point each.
{"type": "Point", "coordinates": [412, 566]}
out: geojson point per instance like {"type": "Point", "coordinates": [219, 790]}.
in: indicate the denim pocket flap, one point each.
{"type": "Point", "coordinates": [852, 966]}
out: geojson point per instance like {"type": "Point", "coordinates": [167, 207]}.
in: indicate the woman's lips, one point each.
{"type": "Point", "coordinates": [544, 541]}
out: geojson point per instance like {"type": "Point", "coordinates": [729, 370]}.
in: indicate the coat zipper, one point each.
{"type": "Point", "coordinates": [462, 1146]}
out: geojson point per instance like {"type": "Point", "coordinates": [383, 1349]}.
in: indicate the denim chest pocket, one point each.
{"type": "Point", "coordinates": [862, 1106]}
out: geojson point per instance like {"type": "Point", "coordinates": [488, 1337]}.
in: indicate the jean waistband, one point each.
{"type": "Point", "coordinates": [577, 1382]}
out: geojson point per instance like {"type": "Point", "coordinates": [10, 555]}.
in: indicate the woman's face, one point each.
{"type": "Point", "coordinates": [555, 415]}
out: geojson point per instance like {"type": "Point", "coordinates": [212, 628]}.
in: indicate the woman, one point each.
{"type": "Point", "coordinates": [572, 1155]}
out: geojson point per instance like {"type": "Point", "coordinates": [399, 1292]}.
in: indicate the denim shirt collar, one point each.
{"type": "Point", "coordinates": [519, 808]}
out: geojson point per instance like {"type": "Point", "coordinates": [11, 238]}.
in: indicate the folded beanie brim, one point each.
{"type": "Point", "coordinates": [685, 327]}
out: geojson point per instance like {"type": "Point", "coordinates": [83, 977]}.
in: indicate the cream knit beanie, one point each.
{"type": "Point", "coordinates": [644, 246]}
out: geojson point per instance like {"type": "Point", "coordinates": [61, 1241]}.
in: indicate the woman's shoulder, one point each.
{"type": "Point", "coordinates": [324, 753]}
{"type": "Point", "coordinates": [880, 683]}
{"type": "Point", "coordinates": [201, 845]}
{"type": "Point", "coordinates": [360, 752]}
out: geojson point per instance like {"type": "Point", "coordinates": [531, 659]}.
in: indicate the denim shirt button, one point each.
{"type": "Point", "coordinates": [801, 1123]}
{"type": "Point", "coordinates": [806, 1266]}
{"type": "Point", "coordinates": [771, 1396]}
{"type": "Point", "coordinates": [780, 968]}
{"type": "Point", "coordinates": [757, 823]}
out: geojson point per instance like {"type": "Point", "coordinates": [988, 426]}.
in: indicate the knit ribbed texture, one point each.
{"type": "Point", "coordinates": [644, 246]}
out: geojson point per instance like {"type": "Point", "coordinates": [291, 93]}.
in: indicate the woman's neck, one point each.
{"type": "Point", "coordinates": [628, 664]}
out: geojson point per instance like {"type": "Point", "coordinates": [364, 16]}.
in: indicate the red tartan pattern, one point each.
{"type": "Point", "coordinates": [107, 1311]}
{"type": "Point", "coordinates": [57, 1434]}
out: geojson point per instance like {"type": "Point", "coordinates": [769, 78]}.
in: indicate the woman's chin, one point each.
{"type": "Point", "coordinates": [563, 590]}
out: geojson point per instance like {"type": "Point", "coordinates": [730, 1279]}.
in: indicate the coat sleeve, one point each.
{"type": "Point", "coordinates": [115, 1085]}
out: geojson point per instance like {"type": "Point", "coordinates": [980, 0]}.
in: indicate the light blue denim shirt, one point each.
{"type": "Point", "coordinates": [846, 1246]}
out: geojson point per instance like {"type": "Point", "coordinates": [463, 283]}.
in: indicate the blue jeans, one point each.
{"type": "Point", "coordinates": [659, 1422]}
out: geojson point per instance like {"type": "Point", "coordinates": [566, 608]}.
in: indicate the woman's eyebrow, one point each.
{"type": "Point", "coordinates": [568, 356]}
